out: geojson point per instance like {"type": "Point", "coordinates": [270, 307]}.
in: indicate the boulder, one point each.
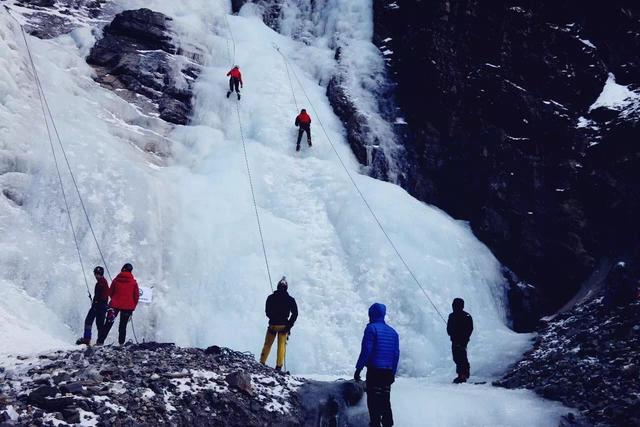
{"type": "Point", "coordinates": [137, 53]}
{"type": "Point", "coordinates": [241, 381]}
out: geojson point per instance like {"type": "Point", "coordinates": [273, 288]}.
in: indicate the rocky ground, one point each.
{"type": "Point", "coordinates": [588, 359]}
{"type": "Point", "coordinates": [161, 384]}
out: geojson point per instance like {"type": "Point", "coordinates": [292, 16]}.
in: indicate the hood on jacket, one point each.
{"type": "Point", "coordinates": [377, 312]}
{"type": "Point", "coordinates": [457, 305]}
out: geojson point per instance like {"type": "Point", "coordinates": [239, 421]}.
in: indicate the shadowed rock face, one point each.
{"type": "Point", "coordinates": [496, 96]}
{"type": "Point", "coordinates": [137, 53]}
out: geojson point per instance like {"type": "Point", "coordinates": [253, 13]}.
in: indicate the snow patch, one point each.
{"type": "Point", "coordinates": [615, 96]}
{"type": "Point", "coordinates": [588, 43]}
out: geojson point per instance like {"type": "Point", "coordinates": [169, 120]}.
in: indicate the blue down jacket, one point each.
{"type": "Point", "coordinates": [380, 343]}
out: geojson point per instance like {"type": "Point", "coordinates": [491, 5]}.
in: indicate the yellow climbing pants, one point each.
{"type": "Point", "coordinates": [272, 331]}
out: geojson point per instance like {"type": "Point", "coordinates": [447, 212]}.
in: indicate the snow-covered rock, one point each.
{"type": "Point", "coordinates": [587, 358]}
{"type": "Point", "coordinates": [154, 383]}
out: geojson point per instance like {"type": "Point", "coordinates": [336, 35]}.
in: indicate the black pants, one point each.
{"type": "Point", "coordinates": [97, 312]}
{"type": "Point", "coordinates": [233, 84]}
{"type": "Point", "coordinates": [125, 315]}
{"type": "Point", "coordinates": [459, 352]}
{"type": "Point", "coordinates": [379, 397]}
{"type": "Point", "coordinates": [302, 130]}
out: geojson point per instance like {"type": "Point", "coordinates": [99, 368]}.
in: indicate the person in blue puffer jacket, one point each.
{"type": "Point", "coordinates": [380, 354]}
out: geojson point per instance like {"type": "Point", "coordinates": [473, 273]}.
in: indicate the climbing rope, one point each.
{"type": "Point", "coordinates": [45, 106]}
{"type": "Point", "coordinates": [55, 158]}
{"type": "Point", "coordinates": [246, 161]}
{"type": "Point", "coordinates": [357, 188]}
{"type": "Point", "coordinates": [233, 60]}
{"type": "Point", "coordinates": [286, 66]}
{"type": "Point", "coordinates": [253, 196]}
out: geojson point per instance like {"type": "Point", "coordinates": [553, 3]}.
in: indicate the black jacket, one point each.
{"type": "Point", "coordinates": [278, 307]}
{"type": "Point", "coordinates": [459, 327]}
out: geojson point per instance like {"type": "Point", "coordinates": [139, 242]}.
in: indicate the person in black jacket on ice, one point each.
{"type": "Point", "coordinates": [282, 311]}
{"type": "Point", "coordinates": [459, 328]}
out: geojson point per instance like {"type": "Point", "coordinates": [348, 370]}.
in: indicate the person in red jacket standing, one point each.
{"type": "Point", "coordinates": [235, 79]}
{"type": "Point", "coordinates": [124, 299]}
{"type": "Point", "coordinates": [99, 306]}
{"type": "Point", "coordinates": [303, 122]}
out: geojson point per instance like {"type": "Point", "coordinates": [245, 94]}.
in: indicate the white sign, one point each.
{"type": "Point", "coordinates": [146, 295]}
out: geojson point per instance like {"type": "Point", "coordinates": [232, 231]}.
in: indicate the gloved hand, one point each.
{"type": "Point", "coordinates": [356, 375]}
{"type": "Point", "coordinates": [287, 329]}
{"type": "Point", "coordinates": [241, 86]}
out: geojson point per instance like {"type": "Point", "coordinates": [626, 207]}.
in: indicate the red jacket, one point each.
{"type": "Point", "coordinates": [101, 292]}
{"type": "Point", "coordinates": [235, 73]}
{"type": "Point", "coordinates": [124, 292]}
{"type": "Point", "coordinates": [303, 120]}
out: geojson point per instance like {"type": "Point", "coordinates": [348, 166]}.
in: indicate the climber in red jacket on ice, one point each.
{"type": "Point", "coordinates": [124, 299]}
{"type": "Point", "coordinates": [235, 79]}
{"type": "Point", "coordinates": [303, 122]}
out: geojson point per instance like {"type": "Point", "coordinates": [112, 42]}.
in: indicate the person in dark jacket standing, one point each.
{"type": "Point", "coordinates": [124, 294]}
{"type": "Point", "coordinates": [459, 328]}
{"type": "Point", "coordinates": [235, 79]}
{"type": "Point", "coordinates": [380, 354]}
{"type": "Point", "coordinates": [303, 122]}
{"type": "Point", "coordinates": [99, 306]}
{"type": "Point", "coordinates": [282, 311]}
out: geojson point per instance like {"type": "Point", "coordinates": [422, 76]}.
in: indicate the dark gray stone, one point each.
{"type": "Point", "coordinates": [72, 388]}
{"type": "Point", "coordinates": [137, 54]}
{"type": "Point", "coordinates": [240, 380]}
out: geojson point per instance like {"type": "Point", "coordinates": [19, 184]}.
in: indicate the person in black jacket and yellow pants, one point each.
{"type": "Point", "coordinates": [282, 311]}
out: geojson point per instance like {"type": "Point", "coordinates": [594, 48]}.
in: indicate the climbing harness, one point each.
{"type": "Point", "coordinates": [357, 188]}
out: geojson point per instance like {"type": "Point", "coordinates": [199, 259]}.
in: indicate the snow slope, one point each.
{"type": "Point", "coordinates": [187, 223]}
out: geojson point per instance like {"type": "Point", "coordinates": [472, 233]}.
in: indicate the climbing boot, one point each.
{"type": "Point", "coordinates": [228, 93]}
{"type": "Point", "coordinates": [298, 147]}
{"type": "Point", "coordinates": [238, 96]}
{"type": "Point", "coordinates": [310, 143]}
{"type": "Point", "coordinates": [459, 379]}
{"type": "Point", "coordinates": [81, 341]}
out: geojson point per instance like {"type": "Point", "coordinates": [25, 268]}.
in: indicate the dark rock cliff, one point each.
{"type": "Point", "coordinates": [496, 96]}
{"type": "Point", "coordinates": [137, 53]}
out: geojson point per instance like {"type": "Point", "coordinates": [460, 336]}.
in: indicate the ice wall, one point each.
{"type": "Point", "coordinates": [188, 225]}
